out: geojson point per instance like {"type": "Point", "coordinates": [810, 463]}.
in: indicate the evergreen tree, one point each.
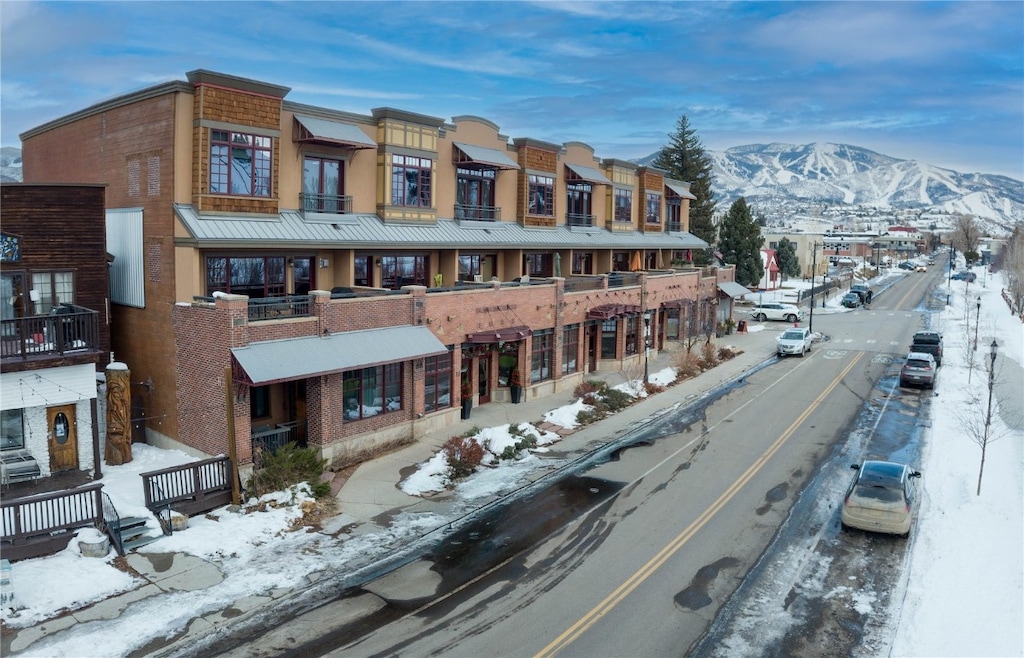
{"type": "Point", "coordinates": [786, 255]}
{"type": "Point", "coordinates": [684, 159]}
{"type": "Point", "coordinates": [740, 243]}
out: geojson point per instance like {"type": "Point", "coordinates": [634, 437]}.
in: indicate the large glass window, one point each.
{"type": "Point", "coordinates": [372, 391]}
{"type": "Point", "coordinates": [240, 163]}
{"type": "Point", "coordinates": [54, 288]}
{"type": "Point", "coordinates": [672, 323]}
{"type": "Point", "coordinates": [410, 181]}
{"type": "Point", "coordinates": [542, 195]}
{"type": "Point", "coordinates": [542, 355]}
{"type": "Point", "coordinates": [578, 198]}
{"type": "Point", "coordinates": [608, 335]}
{"type": "Point", "coordinates": [652, 204]}
{"type": "Point", "coordinates": [474, 194]}
{"type": "Point", "coordinates": [539, 264]}
{"type": "Point", "coordinates": [12, 429]}
{"type": "Point", "coordinates": [13, 297]}
{"type": "Point", "coordinates": [674, 213]}
{"type": "Point", "coordinates": [570, 348]}
{"type": "Point", "coordinates": [632, 323]}
{"type": "Point", "coordinates": [582, 262]}
{"type": "Point", "coordinates": [259, 402]}
{"type": "Point", "coordinates": [323, 185]}
{"type": "Point", "coordinates": [623, 205]}
{"type": "Point", "coordinates": [398, 271]}
{"type": "Point", "coordinates": [437, 392]}
{"type": "Point", "coordinates": [255, 276]}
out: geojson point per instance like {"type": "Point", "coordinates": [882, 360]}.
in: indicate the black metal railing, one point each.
{"type": "Point", "coordinates": [68, 328]}
{"type": "Point", "coordinates": [332, 204]}
{"type": "Point", "coordinates": [623, 279]}
{"type": "Point", "coordinates": [579, 219]}
{"type": "Point", "coordinates": [275, 308]}
{"type": "Point", "coordinates": [477, 213]}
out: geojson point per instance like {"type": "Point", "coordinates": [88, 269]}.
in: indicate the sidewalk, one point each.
{"type": "Point", "coordinates": [368, 498]}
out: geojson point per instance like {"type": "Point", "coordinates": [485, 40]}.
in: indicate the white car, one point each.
{"type": "Point", "coordinates": [794, 341]}
{"type": "Point", "coordinates": [776, 311]}
{"type": "Point", "coordinates": [881, 498]}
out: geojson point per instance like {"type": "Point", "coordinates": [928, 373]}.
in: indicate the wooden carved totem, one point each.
{"type": "Point", "coordinates": [119, 404]}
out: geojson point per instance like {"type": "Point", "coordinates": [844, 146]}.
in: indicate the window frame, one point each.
{"type": "Point", "coordinates": [582, 262]}
{"type": "Point", "coordinates": [540, 194]}
{"type": "Point", "coordinates": [7, 421]}
{"type": "Point", "coordinates": [542, 351]}
{"type": "Point", "coordinates": [437, 371]}
{"type": "Point", "coordinates": [623, 211]}
{"type": "Point", "coordinates": [55, 287]}
{"type": "Point", "coordinates": [272, 266]}
{"type": "Point", "coordinates": [405, 191]}
{"type": "Point", "coordinates": [224, 145]}
{"type": "Point", "coordinates": [570, 349]}
{"type": "Point", "coordinates": [322, 199]}
{"type": "Point", "coordinates": [382, 379]}
{"type": "Point", "coordinates": [652, 204]}
{"type": "Point", "coordinates": [481, 182]}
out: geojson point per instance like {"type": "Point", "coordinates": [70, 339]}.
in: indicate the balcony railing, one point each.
{"type": "Point", "coordinates": [332, 204]}
{"type": "Point", "coordinates": [477, 213]}
{"type": "Point", "coordinates": [275, 308]}
{"type": "Point", "coordinates": [68, 328]}
{"type": "Point", "coordinates": [579, 219]}
{"type": "Point", "coordinates": [674, 226]}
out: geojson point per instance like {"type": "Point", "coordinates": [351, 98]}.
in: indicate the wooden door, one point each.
{"type": "Point", "coordinates": [63, 438]}
{"type": "Point", "coordinates": [483, 379]}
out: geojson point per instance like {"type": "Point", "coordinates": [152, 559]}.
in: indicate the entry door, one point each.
{"type": "Point", "coordinates": [592, 336]}
{"type": "Point", "coordinates": [63, 439]}
{"type": "Point", "coordinates": [483, 377]}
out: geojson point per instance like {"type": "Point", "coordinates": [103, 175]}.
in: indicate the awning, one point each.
{"type": "Point", "coordinates": [506, 335]}
{"type": "Point", "coordinates": [609, 311]}
{"type": "Point", "coordinates": [312, 129]}
{"type": "Point", "coordinates": [588, 174]}
{"type": "Point", "coordinates": [484, 156]}
{"type": "Point", "coordinates": [733, 289]}
{"type": "Point", "coordinates": [680, 190]}
{"type": "Point", "coordinates": [297, 358]}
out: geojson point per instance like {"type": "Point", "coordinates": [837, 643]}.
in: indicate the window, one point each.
{"type": "Point", "coordinates": [570, 348]}
{"type": "Point", "coordinates": [623, 205]}
{"type": "Point", "coordinates": [398, 271]}
{"type": "Point", "coordinates": [608, 335]}
{"type": "Point", "coordinates": [539, 264]}
{"type": "Point", "coordinates": [542, 355]}
{"type": "Point", "coordinates": [674, 213]}
{"type": "Point", "coordinates": [259, 402]}
{"type": "Point", "coordinates": [13, 297]}
{"type": "Point", "coordinates": [542, 195]}
{"type": "Point", "coordinates": [323, 185]}
{"type": "Point", "coordinates": [579, 202]}
{"type": "Point", "coordinates": [653, 208]}
{"type": "Point", "coordinates": [474, 194]}
{"type": "Point", "coordinates": [54, 288]}
{"type": "Point", "coordinates": [410, 181]}
{"type": "Point", "coordinates": [620, 261]}
{"type": "Point", "coordinates": [240, 163]}
{"type": "Point", "coordinates": [632, 334]}
{"type": "Point", "coordinates": [437, 392]}
{"type": "Point", "coordinates": [12, 429]}
{"type": "Point", "coordinates": [672, 323]}
{"type": "Point", "coordinates": [371, 391]}
{"type": "Point", "coordinates": [255, 276]}
{"type": "Point", "coordinates": [582, 263]}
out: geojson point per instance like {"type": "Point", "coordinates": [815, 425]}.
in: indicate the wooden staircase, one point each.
{"type": "Point", "coordinates": [130, 533]}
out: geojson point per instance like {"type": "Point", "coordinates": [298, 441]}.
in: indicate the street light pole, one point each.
{"type": "Point", "coordinates": [977, 321]}
{"type": "Point", "coordinates": [647, 346]}
{"type": "Point", "coordinates": [814, 268]}
{"type": "Point", "coordinates": [949, 275]}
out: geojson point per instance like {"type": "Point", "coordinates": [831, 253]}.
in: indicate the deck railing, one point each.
{"type": "Point", "coordinates": [43, 524]}
{"type": "Point", "coordinates": [191, 488]}
{"type": "Point", "coordinates": [68, 328]}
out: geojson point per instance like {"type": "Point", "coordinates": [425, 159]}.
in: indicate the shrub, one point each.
{"type": "Point", "coordinates": [724, 353]}
{"type": "Point", "coordinates": [463, 455]}
{"type": "Point", "coordinates": [653, 388]}
{"type": "Point", "coordinates": [585, 388]}
{"type": "Point", "coordinates": [687, 366]}
{"type": "Point", "coordinates": [287, 466]}
{"type": "Point", "coordinates": [708, 358]}
{"type": "Point", "coordinates": [616, 400]}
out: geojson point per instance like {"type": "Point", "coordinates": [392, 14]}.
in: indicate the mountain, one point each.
{"type": "Point", "coordinates": [787, 181]}
{"type": "Point", "coordinates": [10, 164]}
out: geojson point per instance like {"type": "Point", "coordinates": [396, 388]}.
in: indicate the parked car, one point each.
{"type": "Point", "coordinates": [850, 300]}
{"type": "Point", "coordinates": [863, 291]}
{"type": "Point", "coordinates": [930, 342]}
{"type": "Point", "coordinates": [794, 341]}
{"type": "Point", "coordinates": [931, 261]}
{"type": "Point", "coordinates": [776, 311]}
{"type": "Point", "coordinates": [966, 275]}
{"type": "Point", "coordinates": [906, 265]}
{"type": "Point", "coordinates": [881, 498]}
{"type": "Point", "coordinates": [919, 369]}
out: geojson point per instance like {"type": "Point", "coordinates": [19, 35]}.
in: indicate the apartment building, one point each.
{"type": "Point", "coordinates": [291, 272]}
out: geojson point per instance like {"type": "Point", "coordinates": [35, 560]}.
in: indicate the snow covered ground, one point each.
{"type": "Point", "coordinates": [965, 596]}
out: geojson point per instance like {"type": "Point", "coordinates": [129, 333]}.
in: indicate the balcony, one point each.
{"type": "Point", "coordinates": [68, 329]}
{"type": "Point", "coordinates": [579, 220]}
{"type": "Point", "coordinates": [465, 211]}
{"type": "Point", "coordinates": [327, 204]}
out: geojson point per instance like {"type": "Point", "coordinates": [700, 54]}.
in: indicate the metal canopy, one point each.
{"type": "Point", "coordinates": [310, 356]}
{"type": "Point", "coordinates": [312, 129]}
{"type": "Point", "coordinates": [588, 174]}
{"type": "Point", "coordinates": [733, 289]}
{"type": "Point", "coordinates": [680, 190]}
{"type": "Point", "coordinates": [505, 335]}
{"type": "Point", "coordinates": [465, 153]}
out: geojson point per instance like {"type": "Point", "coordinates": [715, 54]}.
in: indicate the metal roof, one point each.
{"type": "Point", "coordinates": [487, 156]}
{"type": "Point", "coordinates": [680, 190]}
{"type": "Point", "coordinates": [297, 358]}
{"type": "Point", "coordinates": [290, 229]}
{"type": "Point", "coordinates": [733, 289]}
{"type": "Point", "coordinates": [335, 131]}
{"type": "Point", "coordinates": [588, 174]}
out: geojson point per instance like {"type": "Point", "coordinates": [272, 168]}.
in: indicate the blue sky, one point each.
{"type": "Point", "coordinates": [942, 82]}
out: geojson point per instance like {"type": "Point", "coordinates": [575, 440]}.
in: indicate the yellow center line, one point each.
{"type": "Point", "coordinates": [643, 573]}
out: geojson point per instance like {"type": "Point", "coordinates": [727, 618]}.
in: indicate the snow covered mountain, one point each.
{"type": "Point", "coordinates": [781, 180]}
{"type": "Point", "coordinates": [10, 164]}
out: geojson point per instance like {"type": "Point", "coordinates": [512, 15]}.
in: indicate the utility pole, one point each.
{"type": "Point", "coordinates": [814, 269]}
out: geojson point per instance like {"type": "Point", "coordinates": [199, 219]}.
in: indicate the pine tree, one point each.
{"type": "Point", "coordinates": [786, 255]}
{"type": "Point", "coordinates": [740, 243]}
{"type": "Point", "coordinates": [684, 159]}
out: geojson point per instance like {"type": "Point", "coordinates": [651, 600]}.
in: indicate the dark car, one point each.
{"type": "Point", "coordinates": [907, 265]}
{"type": "Point", "coordinates": [966, 275]}
{"type": "Point", "coordinates": [929, 342]}
{"type": "Point", "coordinates": [863, 292]}
{"type": "Point", "coordinates": [919, 370]}
{"type": "Point", "coordinates": [850, 300]}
